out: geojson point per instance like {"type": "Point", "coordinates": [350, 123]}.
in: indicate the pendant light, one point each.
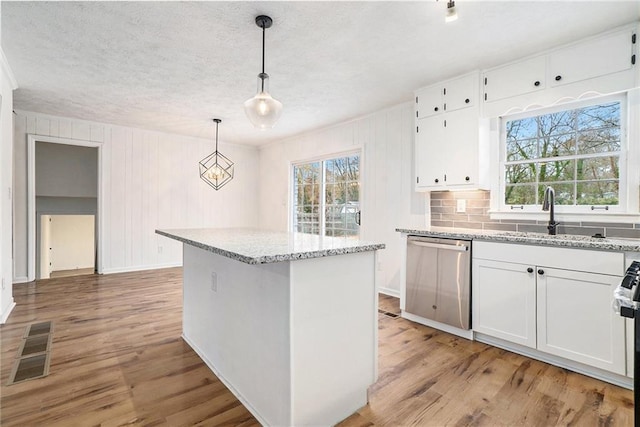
{"type": "Point", "coordinates": [452, 12]}
{"type": "Point", "coordinates": [262, 110]}
{"type": "Point", "coordinates": [216, 169]}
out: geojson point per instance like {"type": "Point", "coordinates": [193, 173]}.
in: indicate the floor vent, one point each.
{"type": "Point", "coordinates": [32, 360]}
{"type": "Point", "coordinates": [388, 314]}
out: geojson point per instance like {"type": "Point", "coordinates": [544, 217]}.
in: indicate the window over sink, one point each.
{"type": "Point", "coordinates": [579, 149]}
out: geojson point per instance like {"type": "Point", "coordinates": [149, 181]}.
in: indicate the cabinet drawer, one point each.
{"type": "Point", "coordinates": [601, 262]}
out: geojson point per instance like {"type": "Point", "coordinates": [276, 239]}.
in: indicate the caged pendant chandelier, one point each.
{"type": "Point", "coordinates": [262, 110]}
{"type": "Point", "coordinates": [216, 169]}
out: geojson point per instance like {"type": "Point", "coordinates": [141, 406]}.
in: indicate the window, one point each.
{"type": "Point", "coordinates": [577, 152]}
{"type": "Point", "coordinates": [326, 196]}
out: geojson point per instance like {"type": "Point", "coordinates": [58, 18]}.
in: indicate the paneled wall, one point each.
{"type": "Point", "coordinates": [149, 180]}
{"type": "Point", "coordinates": [385, 140]}
{"type": "Point", "coordinates": [7, 85]}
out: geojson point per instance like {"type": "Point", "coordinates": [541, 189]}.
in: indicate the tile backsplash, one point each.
{"type": "Point", "coordinates": [444, 206]}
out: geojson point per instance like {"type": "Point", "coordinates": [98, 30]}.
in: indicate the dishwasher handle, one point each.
{"type": "Point", "coordinates": [439, 246]}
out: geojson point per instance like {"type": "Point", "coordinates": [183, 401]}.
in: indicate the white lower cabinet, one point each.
{"type": "Point", "coordinates": [576, 320]}
{"type": "Point", "coordinates": [504, 301]}
{"type": "Point", "coordinates": [554, 300]}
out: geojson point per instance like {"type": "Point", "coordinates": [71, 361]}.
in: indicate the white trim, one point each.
{"type": "Point", "coordinates": [141, 268]}
{"type": "Point", "coordinates": [388, 291]}
{"type": "Point", "coordinates": [6, 70]}
{"type": "Point", "coordinates": [6, 314]}
{"type": "Point", "coordinates": [626, 198]}
{"type": "Point", "coordinates": [31, 198]}
{"type": "Point", "coordinates": [359, 151]}
{"type": "Point", "coordinates": [20, 279]}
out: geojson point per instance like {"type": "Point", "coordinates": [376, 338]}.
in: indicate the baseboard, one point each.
{"type": "Point", "coordinates": [21, 279]}
{"type": "Point", "coordinates": [590, 371]}
{"type": "Point", "coordinates": [388, 291]}
{"type": "Point", "coordinates": [6, 314]}
{"type": "Point", "coordinates": [224, 381]}
{"type": "Point", "coordinates": [140, 268]}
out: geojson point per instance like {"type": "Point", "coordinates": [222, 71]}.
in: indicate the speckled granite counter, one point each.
{"type": "Point", "coordinates": [255, 246]}
{"type": "Point", "coordinates": [565, 240]}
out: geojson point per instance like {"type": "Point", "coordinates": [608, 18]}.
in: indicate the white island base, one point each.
{"type": "Point", "coordinates": [295, 341]}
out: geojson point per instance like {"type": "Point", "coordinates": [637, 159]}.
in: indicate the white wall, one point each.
{"type": "Point", "coordinates": [45, 245]}
{"type": "Point", "coordinates": [7, 85]}
{"type": "Point", "coordinates": [72, 242]}
{"type": "Point", "coordinates": [388, 199]}
{"type": "Point", "coordinates": [149, 180]}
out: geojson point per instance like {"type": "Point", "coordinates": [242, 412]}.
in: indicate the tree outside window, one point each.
{"type": "Point", "coordinates": [326, 196]}
{"type": "Point", "coordinates": [577, 152]}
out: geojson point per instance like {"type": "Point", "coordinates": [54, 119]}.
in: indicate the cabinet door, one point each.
{"type": "Point", "coordinates": [461, 149]}
{"type": "Point", "coordinates": [515, 79]}
{"type": "Point", "coordinates": [429, 101]}
{"type": "Point", "coordinates": [504, 301]}
{"type": "Point", "coordinates": [576, 321]}
{"type": "Point", "coordinates": [604, 55]}
{"type": "Point", "coordinates": [461, 93]}
{"type": "Point", "coordinates": [430, 156]}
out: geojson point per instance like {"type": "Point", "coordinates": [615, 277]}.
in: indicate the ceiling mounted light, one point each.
{"type": "Point", "coordinates": [215, 169]}
{"type": "Point", "coordinates": [262, 110]}
{"type": "Point", "coordinates": [452, 12]}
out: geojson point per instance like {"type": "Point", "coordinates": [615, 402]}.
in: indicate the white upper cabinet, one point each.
{"type": "Point", "coordinates": [460, 93]}
{"type": "Point", "coordinates": [604, 64]}
{"type": "Point", "coordinates": [429, 101]}
{"type": "Point", "coordinates": [447, 134]}
{"type": "Point", "coordinates": [594, 58]}
{"type": "Point", "coordinates": [515, 79]}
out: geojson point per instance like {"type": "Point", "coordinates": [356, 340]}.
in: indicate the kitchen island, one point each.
{"type": "Point", "coordinates": [288, 321]}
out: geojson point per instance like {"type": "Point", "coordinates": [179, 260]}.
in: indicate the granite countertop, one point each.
{"type": "Point", "coordinates": [564, 240]}
{"type": "Point", "coordinates": [254, 246]}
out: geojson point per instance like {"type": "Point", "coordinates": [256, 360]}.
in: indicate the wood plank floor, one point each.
{"type": "Point", "coordinates": [118, 359]}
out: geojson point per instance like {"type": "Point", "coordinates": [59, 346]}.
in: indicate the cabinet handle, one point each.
{"type": "Point", "coordinates": [529, 270]}
{"type": "Point", "coordinates": [537, 83]}
{"type": "Point", "coordinates": [436, 109]}
{"type": "Point", "coordinates": [466, 101]}
{"type": "Point", "coordinates": [541, 272]}
{"type": "Point", "coordinates": [437, 180]}
{"type": "Point", "coordinates": [466, 178]}
{"type": "Point", "coordinates": [558, 78]}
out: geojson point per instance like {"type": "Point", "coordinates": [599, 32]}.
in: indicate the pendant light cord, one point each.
{"type": "Point", "coordinates": [263, 43]}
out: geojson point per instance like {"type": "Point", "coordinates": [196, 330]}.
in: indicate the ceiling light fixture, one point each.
{"type": "Point", "coordinates": [216, 169]}
{"type": "Point", "coordinates": [262, 110]}
{"type": "Point", "coordinates": [452, 12]}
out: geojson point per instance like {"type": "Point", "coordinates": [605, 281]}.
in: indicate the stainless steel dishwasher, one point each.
{"type": "Point", "coordinates": [438, 280]}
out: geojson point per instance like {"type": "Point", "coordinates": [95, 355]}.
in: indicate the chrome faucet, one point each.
{"type": "Point", "coordinates": [548, 205]}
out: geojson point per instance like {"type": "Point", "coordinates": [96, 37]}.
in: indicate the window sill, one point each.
{"type": "Point", "coordinates": [603, 217]}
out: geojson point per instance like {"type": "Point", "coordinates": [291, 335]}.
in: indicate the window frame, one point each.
{"type": "Point", "coordinates": [624, 195]}
{"type": "Point", "coordinates": [323, 183]}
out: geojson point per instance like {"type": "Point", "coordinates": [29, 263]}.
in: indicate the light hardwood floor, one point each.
{"type": "Point", "coordinates": [118, 359]}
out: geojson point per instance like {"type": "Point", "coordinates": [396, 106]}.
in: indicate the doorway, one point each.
{"type": "Point", "coordinates": [67, 245]}
{"type": "Point", "coordinates": [64, 201]}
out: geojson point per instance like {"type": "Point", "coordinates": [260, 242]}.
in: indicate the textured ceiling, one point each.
{"type": "Point", "coordinates": [172, 66]}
